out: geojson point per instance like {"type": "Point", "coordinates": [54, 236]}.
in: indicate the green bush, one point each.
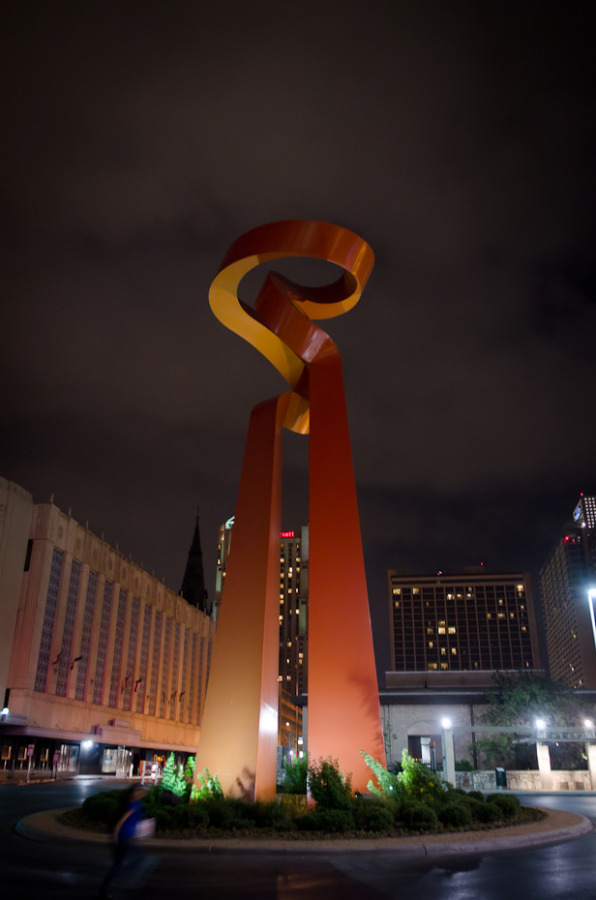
{"type": "Point", "coordinates": [420, 783]}
{"type": "Point", "coordinates": [183, 817]}
{"type": "Point", "coordinates": [295, 775]}
{"type": "Point", "coordinates": [226, 813]}
{"type": "Point", "coordinates": [507, 803]}
{"type": "Point", "coordinates": [328, 787]}
{"type": "Point", "coordinates": [105, 808]}
{"type": "Point", "coordinates": [270, 814]}
{"type": "Point", "coordinates": [388, 784]}
{"type": "Point", "coordinates": [456, 815]}
{"type": "Point", "coordinates": [417, 816]}
{"type": "Point", "coordinates": [373, 817]}
{"type": "Point", "coordinates": [485, 813]}
{"type": "Point", "coordinates": [331, 821]}
{"type": "Point", "coordinates": [476, 795]}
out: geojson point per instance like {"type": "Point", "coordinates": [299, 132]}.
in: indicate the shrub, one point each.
{"type": "Point", "coordinates": [485, 812]}
{"type": "Point", "coordinates": [476, 795]}
{"type": "Point", "coordinates": [418, 817]}
{"type": "Point", "coordinates": [388, 782]}
{"type": "Point", "coordinates": [327, 820]}
{"type": "Point", "coordinates": [374, 817]}
{"type": "Point", "coordinates": [295, 774]}
{"type": "Point", "coordinates": [507, 803]}
{"type": "Point", "coordinates": [420, 783]}
{"type": "Point", "coordinates": [208, 785]}
{"type": "Point", "coordinates": [183, 817]}
{"type": "Point", "coordinates": [226, 813]}
{"type": "Point", "coordinates": [105, 808]}
{"type": "Point", "coordinates": [268, 815]}
{"type": "Point", "coordinates": [328, 787]}
{"type": "Point", "coordinates": [455, 814]}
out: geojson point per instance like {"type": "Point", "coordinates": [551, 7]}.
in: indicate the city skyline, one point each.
{"type": "Point", "coordinates": [456, 142]}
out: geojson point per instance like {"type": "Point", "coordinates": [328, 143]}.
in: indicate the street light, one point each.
{"type": "Point", "coordinates": [540, 724]}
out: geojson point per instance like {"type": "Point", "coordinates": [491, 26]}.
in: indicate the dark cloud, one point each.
{"type": "Point", "coordinates": [140, 139]}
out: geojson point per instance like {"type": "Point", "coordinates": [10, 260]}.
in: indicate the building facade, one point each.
{"type": "Point", "coordinates": [468, 621]}
{"type": "Point", "coordinates": [106, 666]}
{"type": "Point", "coordinates": [566, 580]}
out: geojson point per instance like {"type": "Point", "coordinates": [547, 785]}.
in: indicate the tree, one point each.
{"type": "Point", "coordinates": [520, 699]}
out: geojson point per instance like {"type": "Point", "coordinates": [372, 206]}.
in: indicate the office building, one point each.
{"type": "Point", "coordinates": [102, 666]}
{"type": "Point", "coordinates": [466, 621]}
{"type": "Point", "coordinates": [566, 580]}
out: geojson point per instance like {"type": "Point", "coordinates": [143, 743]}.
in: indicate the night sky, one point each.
{"type": "Point", "coordinates": [458, 138]}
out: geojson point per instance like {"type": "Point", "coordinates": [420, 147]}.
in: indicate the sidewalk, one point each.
{"type": "Point", "coordinates": [558, 826]}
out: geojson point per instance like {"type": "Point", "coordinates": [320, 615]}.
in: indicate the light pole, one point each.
{"type": "Point", "coordinates": [448, 750]}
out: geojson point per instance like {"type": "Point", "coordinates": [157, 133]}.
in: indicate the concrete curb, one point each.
{"type": "Point", "coordinates": [44, 826]}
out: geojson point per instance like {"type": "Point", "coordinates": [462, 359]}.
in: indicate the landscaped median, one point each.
{"type": "Point", "coordinates": [413, 802]}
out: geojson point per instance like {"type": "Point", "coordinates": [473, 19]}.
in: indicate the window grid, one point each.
{"type": "Point", "coordinates": [69, 619]}
{"type": "Point", "coordinates": [47, 631]}
{"type": "Point", "coordinates": [86, 635]}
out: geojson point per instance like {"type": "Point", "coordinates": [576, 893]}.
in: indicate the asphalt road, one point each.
{"type": "Point", "coordinates": [41, 870]}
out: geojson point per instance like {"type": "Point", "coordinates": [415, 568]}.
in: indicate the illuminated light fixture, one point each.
{"type": "Point", "coordinates": [588, 723]}
{"type": "Point", "coordinates": [540, 724]}
{"type": "Point", "coordinates": [591, 600]}
{"type": "Point", "coordinates": [87, 745]}
{"type": "Point", "coordinates": [446, 722]}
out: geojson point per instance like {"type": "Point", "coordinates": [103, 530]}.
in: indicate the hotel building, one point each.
{"type": "Point", "coordinates": [468, 621]}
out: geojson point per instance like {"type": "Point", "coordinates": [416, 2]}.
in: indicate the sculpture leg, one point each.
{"type": "Point", "coordinates": [239, 725]}
{"type": "Point", "coordinates": [343, 700]}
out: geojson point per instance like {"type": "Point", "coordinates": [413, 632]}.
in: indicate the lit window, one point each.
{"type": "Point", "coordinates": [443, 651]}
{"type": "Point", "coordinates": [451, 629]}
{"type": "Point", "coordinates": [444, 665]}
{"type": "Point", "coordinates": [397, 604]}
{"type": "Point", "coordinates": [441, 630]}
{"type": "Point", "coordinates": [415, 590]}
{"type": "Point", "coordinates": [431, 644]}
{"type": "Point", "coordinates": [454, 651]}
{"type": "Point", "coordinates": [397, 590]}
{"type": "Point", "coordinates": [289, 644]}
{"type": "Point", "coordinates": [280, 678]}
{"type": "Point", "coordinates": [432, 665]}
{"type": "Point", "coordinates": [489, 616]}
{"type": "Point", "coordinates": [523, 628]}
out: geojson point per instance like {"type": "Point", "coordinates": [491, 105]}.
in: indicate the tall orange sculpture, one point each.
{"type": "Point", "coordinates": [239, 724]}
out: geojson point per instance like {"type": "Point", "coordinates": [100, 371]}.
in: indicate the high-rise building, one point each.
{"type": "Point", "coordinates": [293, 611]}
{"type": "Point", "coordinates": [293, 603]}
{"type": "Point", "coordinates": [566, 580]}
{"type": "Point", "coordinates": [467, 621]}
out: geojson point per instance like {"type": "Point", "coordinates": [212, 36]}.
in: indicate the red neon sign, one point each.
{"type": "Point", "coordinates": [286, 534]}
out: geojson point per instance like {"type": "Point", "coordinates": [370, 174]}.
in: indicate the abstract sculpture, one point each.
{"type": "Point", "coordinates": [239, 724]}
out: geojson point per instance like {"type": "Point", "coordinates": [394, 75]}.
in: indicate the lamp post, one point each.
{"type": "Point", "coordinates": [542, 752]}
{"type": "Point", "coordinates": [448, 750]}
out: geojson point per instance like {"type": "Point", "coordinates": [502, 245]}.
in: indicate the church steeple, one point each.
{"type": "Point", "coordinates": [193, 584]}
